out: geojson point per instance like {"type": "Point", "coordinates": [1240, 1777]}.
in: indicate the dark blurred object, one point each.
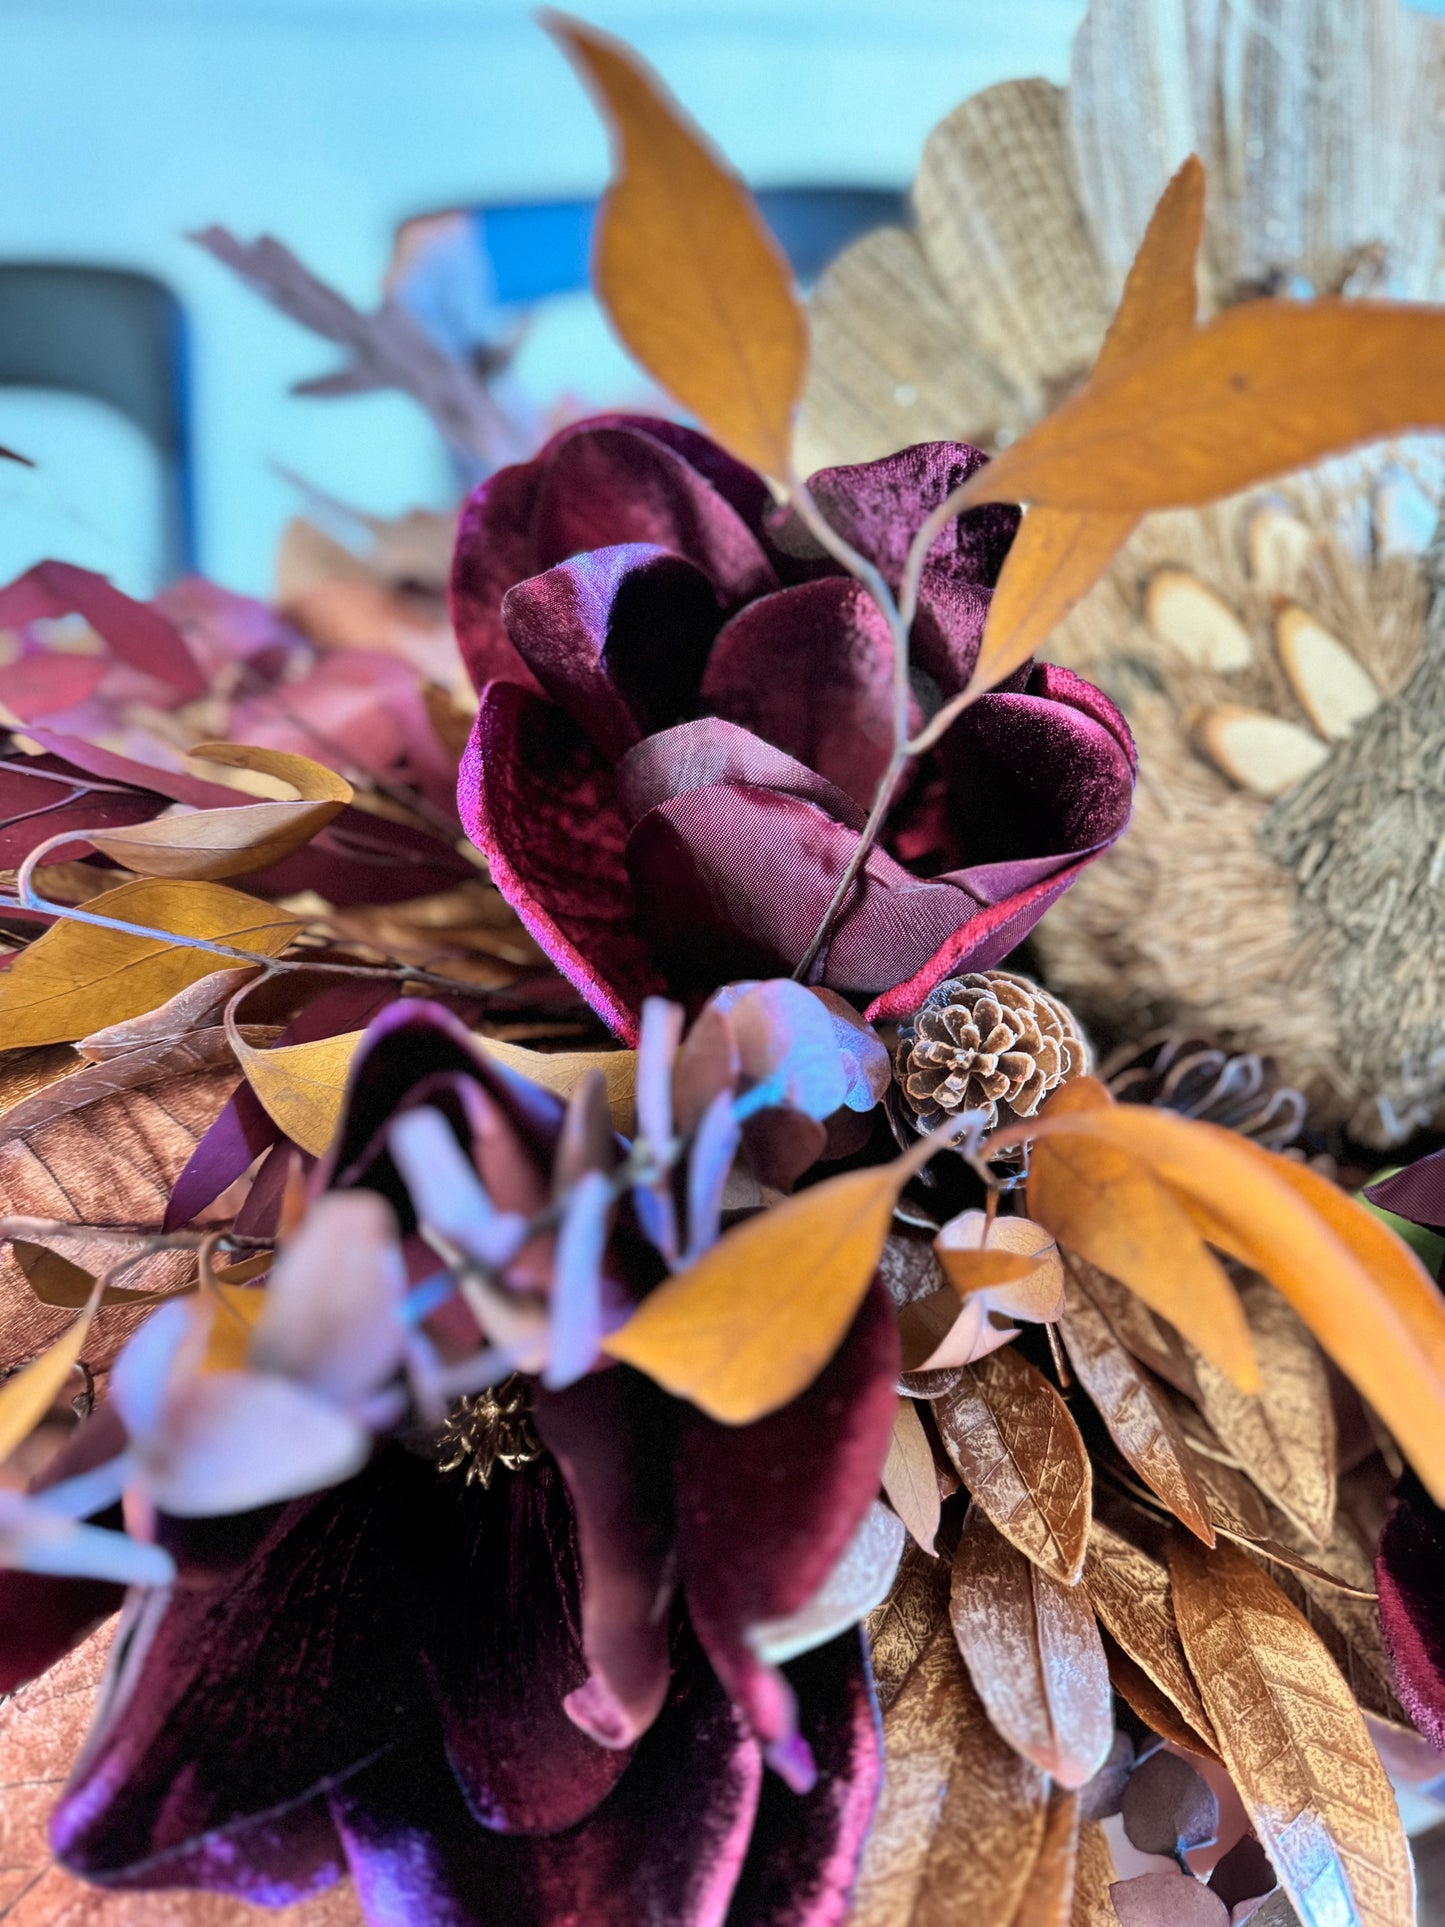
{"type": "Point", "coordinates": [119, 337]}
{"type": "Point", "coordinates": [1242, 1092]}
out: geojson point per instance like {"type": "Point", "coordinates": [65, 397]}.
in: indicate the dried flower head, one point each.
{"type": "Point", "coordinates": [989, 1041]}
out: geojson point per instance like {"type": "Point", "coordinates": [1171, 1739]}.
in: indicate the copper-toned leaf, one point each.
{"type": "Point", "coordinates": [693, 281]}
{"type": "Point", "coordinates": [1135, 1410]}
{"type": "Point", "coordinates": [1013, 1259]}
{"type": "Point", "coordinates": [900, 1629]}
{"type": "Point", "coordinates": [1130, 1593]}
{"type": "Point", "coordinates": [962, 1817]}
{"type": "Point", "coordinates": [1048, 1900]}
{"type": "Point", "coordinates": [77, 977]}
{"type": "Point", "coordinates": [722, 1334]}
{"type": "Point", "coordinates": [1294, 1741]}
{"type": "Point", "coordinates": [56, 1281]}
{"type": "Point", "coordinates": [28, 1394]}
{"type": "Point", "coordinates": [1348, 1625]}
{"type": "Point", "coordinates": [1094, 1874]}
{"type": "Point", "coordinates": [1264, 387]}
{"type": "Point", "coordinates": [1033, 1651]}
{"type": "Point", "coordinates": [1021, 1457]}
{"type": "Point", "coordinates": [200, 1006]}
{"type": "Point", "coordinates": [909, 1478]}
{"type": "Point", "coordinates": [1285, 1438]}
{"type": "Point", "coordinates": [1105, 1204]}
{"type": "Point", "coordinates": [1152, 1339]}
{"type": "Point", "coordinates": [1234, 1505]}
{"type": "Point", "coordinates": [209, 844]}
{"type": "Point", "coordinates": [1145, 1700]}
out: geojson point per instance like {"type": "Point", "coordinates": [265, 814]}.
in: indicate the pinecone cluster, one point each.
{"type": "Point", "coordinates": [989, 1041]}
{"type": "Point", "coordinates": [1242, 1090]}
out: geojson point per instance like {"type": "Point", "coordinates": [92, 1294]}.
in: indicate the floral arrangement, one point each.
{"type": "Point", "coordinates": [630, 1365]}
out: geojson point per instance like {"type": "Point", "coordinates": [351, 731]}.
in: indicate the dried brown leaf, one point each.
{"type": "Point", "coordinates": [900, 1629]}
{"type": "Point", "coordinates": [1135, 1410]}
{"type": "Point", "coordinates": [1020, 1455]}
{"type": "Point", "coordinates": [1348, 1626]}
{"type": "Point", "coordinates": [198, 1007]}
{"type": "Point", "coordinates": [1146, 1702]}
{"type": "Point", "coordinates": [1234, 1504]}
{"type": "Point", "coordinates": [1048, 1900]}
{"type": "Point", "coordinates": [1130, 1593]}
{"type": "Point", "coordinates": [1294, 1741]}
{"type": "Point", "coordinates": [909, 1478]}
{"type": "Point", "coordinates": [25, 1073]}
{"type": "Point", "coordinates": [1285, 1438]}
{"type": "Point", "coordinates": [1033, 1652]}
{"type": "Point", "coordinates": [962, 1818]}
{"type": "Point", "coordinates": [1152, 1339]}
{"type": "Point", "coordinates": [1094, 1874]}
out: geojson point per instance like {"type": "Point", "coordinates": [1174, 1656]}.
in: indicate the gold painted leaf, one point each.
{"type": "Point", "coordinates": [1094, 1874]}
{"type": "Point", "coordinates": [1048, 1900]}
{"type": "Point", "coordinates": [1130, 1593]}
{"type": "Point", "coordinates": [1148, 1703]}
{"type": "Point", "coordinates": [1284, 1439]}
{"type": "Point", "coordinates": [962, 1817]}
{"type": "Point", "coordinates": [692, 279]}
{"type": "Point", "coordinates": [1348, 1626]}
{"type": "Point", "coordinates": [1152, 1339]}
{"type": "Point", "coordinates": [56, 1281]}
{"type": "Point", "coordinates": [722, 1334]}
{"type": "Point", "coordinates": [209, 844]}
{"type": "Point", "coordinates": [76, 978]}
{"type": "Point", "coordinates": [1135, 1410]}
{"type": "Point", "coordinates": [1264, 387]}
{"type": "Point", "coordinates": [1020, 1455]}
{"type": "Point", "coordinates": [900, 1629]}
{"type": "Point", "coordinates": [28, 1394]}
{"type": "Point", "coordinates": [1033, 1652]}
{"type": "Point", "coordinates": [1294, 1741]}
{"type": "Point", "coordinates": [909, 1478]}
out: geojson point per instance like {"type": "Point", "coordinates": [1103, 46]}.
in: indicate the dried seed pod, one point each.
{"type": "Point", "coordinates": [990, 1042]}
{"type": "Point", "coordinates": [1194, 620]}
{"type": "Point", "coordinates": [1239, 1089]}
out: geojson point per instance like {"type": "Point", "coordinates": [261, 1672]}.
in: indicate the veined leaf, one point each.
{"type": "Point", "coordinates": [909, 1477]}
{"type": "Point", "coordinates": [1294, 1741]}
{"type": "Point", "coordinates": [56, 1281]}
{"type": "Point", "coordinates": [208, 844]}
{"type": "Point", "coordinates": [78, 977]}
{"type": "Point", "coordinates": [1130, 1593]}
{"type": "Point", "coordinates": [1264, 387]}
{"type": "Point", "coordinates": [1094, 1874]}
{"type": "Point", "coordinates": [1048, 1900]}
{"type": "Point", "coordinates": [693, 281]}
{"type": "Point", "coordinates": [28, 1395]}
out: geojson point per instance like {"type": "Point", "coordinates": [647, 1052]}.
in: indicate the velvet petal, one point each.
{"type": "Point", "coordinates": [274, 1860]}
{"type": "Point", "coordinates": [506, 1650]}
{"type": "Point", "coordinates": [538, 800]}
{"type": "Point", "coordinates": [1410, 1575]}
{"type": "Point", "coordinates": [712, 750]}
{"type": "Point", "coordinates": [610, 1434]}
{"type": "Point", "coordinates": [244, 1699]}
{"type": "Point", "coordinates": [1417, 1193]}
{"type": "Point", "coordinates": [764, 1510]}
{"type": "Point", "coordinates": [811, 670]}
{"type": "Point", "coordinates": [617, 638]}
{"type": "Point", "coordinates": [494, 550]}
{"type": "Point", "coordinates": [662, 1851]}
{"type": "Point", "coordinates": [805, 1848]}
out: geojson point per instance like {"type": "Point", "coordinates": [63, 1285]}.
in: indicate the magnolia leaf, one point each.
{"type": "Point", "coordinates": [976, 1255]}
{"type": "Point", "coordinates": [1234, 1505]}
{"type": "Point", "coordinates": [900, 1629]}
{"type": "Point", "coordinates": [77, 977]}
{"type": "Point", "coordinates": [962, 1817]}
{"type": "Point", "coordinates": [1130, 1593]}
{"type": "Point", "coordinates": [56, 1281]}
{"type": "Point", "coordinates": [693, 281]}
{"type": "Point", "coordinates": [1151, 1339]}
{"type": "Point", "coordinates": [1094, 1874]}
{"type": "Point", "coordinates": [1033, 1651]}
{"type": "Point", "coordinates": [1136, 1411]}
{"type": "Point", "coordinates": [1264, 387]}
{"type": "Point", "coordinates": [909, 1478]}
{"type": "Point", "coordinates": [1020, 1455]}
{"type": "Point", "coordinates": [1294, 1741]}
{"type": "Point", "coordinates": [303, 1086]}
{"type": "Point", "coordinates": [1284, 1439]}
{"type": "Point", "coordinates": [1058, 555]}
{"type": "Point", "coordinates": [1148, 1703]}
{"type": "Point", "coordinates": [1048, 1900]}
{"type": "Point", "coordinates": [1348, 1625]}
{"type": "Point", "coordinates": [200, 1006]}
{"type": "Point", "coordinates": [723, 1334]}
{"type": "Point", "coordinates": [27, 1395]}
{"type": "Point", "coordinates": [1105, 1204]}
{"type": "Point", "coordinates": [208, 844]}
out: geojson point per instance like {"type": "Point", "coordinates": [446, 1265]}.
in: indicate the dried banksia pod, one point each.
{"type": "Point", "coordinates": [990, 1042]}
{"type": "Point", "coordinates": [1241, 1090]}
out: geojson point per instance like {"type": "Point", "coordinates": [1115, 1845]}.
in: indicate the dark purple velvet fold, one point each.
{"type": "Point", "coordinates": [1416, 1193]}
{"type": "Point", "coordinates": [1410, 1577]}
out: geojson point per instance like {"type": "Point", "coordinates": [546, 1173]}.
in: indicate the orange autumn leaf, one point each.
{"type": "Point", "coordinates": [1263, 388]}
{"type": "Point", "coordinates": [28, 1394]}
{"type": "Point", "coordinates": [1058, 555]}
{"type": "Point", "coordinates": [693, 281]}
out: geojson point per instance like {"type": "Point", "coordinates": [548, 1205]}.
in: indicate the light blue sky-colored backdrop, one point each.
{"type": "Point", "coordinates": [325, 122]}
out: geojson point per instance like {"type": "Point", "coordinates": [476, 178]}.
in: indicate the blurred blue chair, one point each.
{"type": "Point", "coordinates": [120, 338]}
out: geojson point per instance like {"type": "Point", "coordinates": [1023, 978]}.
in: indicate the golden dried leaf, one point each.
{"type": "Point", "coordinates": [1094, 1874]}
{"type": "Point", "coordinates": [28, 1394]}
{"type": "Point", "coordinates": [1284, 1439]}
{"type": "Point", "coordinates": [971, 1251]}
{"type": "Point", "coordinates": [722, 1334]}
{"type": "Point", "coordinates": [76, 978]}
{"type": "Point", "coordinates": [56, 1281]}
{"type": "Point", "coordinates": [1264, 387]}
{"type": "Point", "coordinates": [909, 1478]}
{"type": "Point", "coordinates": [1135, 1410]}
{"type": "Point", "coordinates": [1294, 1741]}
{"type": "Point", "coordinates": [962, 1817]}
{"type": "Point", "coordinates": [1152, 1340]}
{"type": "Point", "coordinates": [693, 281]}
{"type": "Point", "coordinates": [1033, 1652]}
{"type": "Point", "coordinates": [1161, 297]}
{"type": "Point", "coordinates": [209, 844]}
{"type": "Point", "coordinates": [1130, 1593]}
{"type": "Point", "coordinates": [1021, 1457]}
{"type": "Point", "coordinates": [1106, 1204]}
{"type": "Point", "coordinates": [1234, 1505]}
{"type": "Point", "coordinates": [1144, 1699]}
{"type": "Point", "coordinates": [900, 1629]}
{"type": "Point", "coordinates": [1048, 1900]}
{"type": "Point", "coordinates": [1348, 1626]}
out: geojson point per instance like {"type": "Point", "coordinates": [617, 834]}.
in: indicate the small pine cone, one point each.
{"type": "Point", "coordinates": [990, 1042]}
{"type": "Point", "coordinates": [1242, 1091]}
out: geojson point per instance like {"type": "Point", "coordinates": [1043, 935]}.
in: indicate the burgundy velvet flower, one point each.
{"type": "Point", "coordinates": [1410, 1575]}
{"type": "Point", "coordinates": [535, 1701]}
{"type": "Point", "coordinates": [683, 724]}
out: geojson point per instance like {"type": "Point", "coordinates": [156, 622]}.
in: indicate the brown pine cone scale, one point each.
{"type": "Point", "coordinates": [989, 1041]}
